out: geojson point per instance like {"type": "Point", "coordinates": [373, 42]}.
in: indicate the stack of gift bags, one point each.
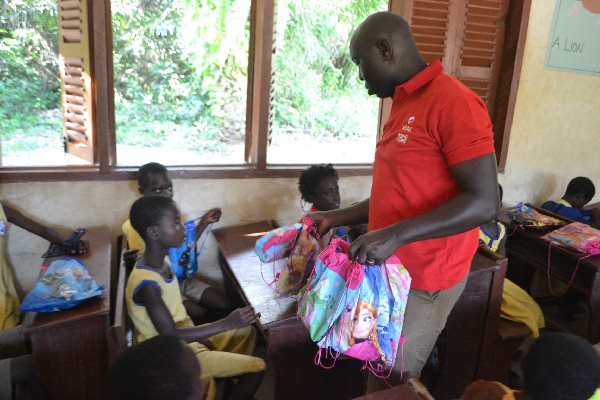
{"type": "Point", "coordinates": [348, 308]}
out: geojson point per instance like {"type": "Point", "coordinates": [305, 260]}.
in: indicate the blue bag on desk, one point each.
{"type": "Point", "coordinates": [183, 259]}
{"type": "Point", "coordinates": [65, 283]}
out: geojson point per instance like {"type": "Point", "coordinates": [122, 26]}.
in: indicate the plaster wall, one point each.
{"type": "Point", "coordinates": [556, 126]}
{"type": "Point", "coordinates": [68, 205]}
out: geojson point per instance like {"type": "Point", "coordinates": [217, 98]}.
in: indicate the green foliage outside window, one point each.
{"type": "Point", "coordinates": [180, 70]}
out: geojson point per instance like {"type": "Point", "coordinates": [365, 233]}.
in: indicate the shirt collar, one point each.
{"type": "Point", "coordinates": [422, 78]}
{"type": "Point", "coordinates": [563, 202]}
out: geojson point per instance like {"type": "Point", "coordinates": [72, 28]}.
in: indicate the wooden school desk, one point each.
{"type": "Point", "coordinates": [70, 347]}
{"type": "Point", "coordinates": [527, 251]}
{"type": "Point", "coordinates": [289, 346]}
{"type": "Point", "coordinates": [471, 328]}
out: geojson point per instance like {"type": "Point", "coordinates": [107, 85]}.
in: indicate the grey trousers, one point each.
{"type": "Point", "coordinates": [424, 319]}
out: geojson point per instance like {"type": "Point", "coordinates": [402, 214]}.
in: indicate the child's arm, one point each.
{"type": "Point", "coordinates": [15, 217]}
{"type": "Point", "coordinates": [595, 217]}
{"type": "Point", "coordinates": [211, 216]}
{"type": "Point", "coordinates": [502, 246]}
{"type": "Point", "coordinates": [150, 297]}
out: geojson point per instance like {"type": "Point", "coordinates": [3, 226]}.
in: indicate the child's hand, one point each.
{"type": "Point", "coordinates": [130, 257]}
{"type": "Point", "coordinates": [212, 215]}
{"type": "Point", "coordinates": [242, 317]}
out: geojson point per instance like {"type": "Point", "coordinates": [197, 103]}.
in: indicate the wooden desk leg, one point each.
{"type": "Point", "coordinates": [292, 354]}
{"type": "Point", "coordinates": [594, 331]}
{"type": "Point", "coordinates": [72, 359]}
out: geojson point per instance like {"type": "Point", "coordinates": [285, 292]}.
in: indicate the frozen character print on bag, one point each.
{"type": "Point", "coordinates": [362, 336]}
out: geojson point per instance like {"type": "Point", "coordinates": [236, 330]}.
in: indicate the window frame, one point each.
{"type": "Point", "coordinates": [262, 16]}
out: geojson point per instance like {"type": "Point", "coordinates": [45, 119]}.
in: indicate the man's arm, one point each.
{"type": "Point", "coordinates": [355, 214]}
{"type": "Point", "coordinates": [477, 203]}
{"type": "Point", "coordinates": [149, 295]}
{"type": "Point", "coordinates": [595, 217]}
{"type": "Point", "coordinates": [15, 217]}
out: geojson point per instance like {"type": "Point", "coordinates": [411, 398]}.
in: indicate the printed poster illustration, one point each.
{"type": "Point", "coordinates": [574, 40]}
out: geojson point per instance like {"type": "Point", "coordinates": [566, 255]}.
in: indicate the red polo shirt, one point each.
{"type": "Point", "coordinates": [435, 122]}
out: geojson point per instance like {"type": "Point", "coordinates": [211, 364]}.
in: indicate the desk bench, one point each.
{"type": "Point", "coordinates": [527, 251]}
{"type": "Point", "coordinates": [69, 347]}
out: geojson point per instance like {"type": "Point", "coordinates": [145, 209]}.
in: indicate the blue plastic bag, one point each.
{"type": "Point", "coordinates": [183, 259]}
{"type": "Point", "coordinates": [65, 284]}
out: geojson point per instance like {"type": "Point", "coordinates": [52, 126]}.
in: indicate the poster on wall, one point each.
{"type": "Point", "coordinates": [574, 40]}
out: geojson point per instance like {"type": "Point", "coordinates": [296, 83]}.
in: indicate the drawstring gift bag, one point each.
{"type": "Point", "coordinates": [277, 243]}
{"type": "Point", "coordinates": [370, 328]}
{"type": "Point", "coordinates": [301, 261]}
{"type": "Point", "coordinates": [183, 259]}
{"type": "Point", "coordinates": [333, 285]}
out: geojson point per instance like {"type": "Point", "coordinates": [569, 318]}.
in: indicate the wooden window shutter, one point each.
{"type": "Point", "coordinates": [466, 35]}
{"type": "Point", "coordinates": [76, 93]}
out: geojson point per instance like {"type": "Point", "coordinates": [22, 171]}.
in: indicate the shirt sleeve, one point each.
{"type": "Point", "coordinates": [465, 129]}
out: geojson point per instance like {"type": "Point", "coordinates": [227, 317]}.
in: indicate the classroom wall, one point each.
{"type": "Point", "coordinates": [68, 205]}
{"type": "Point", "coordinates": [555, 132]}
{"type": "Point", "coordinates": [554, 137]}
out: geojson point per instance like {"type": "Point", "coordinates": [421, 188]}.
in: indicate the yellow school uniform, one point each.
{"type": "Point", "coordinates": [9, 299]}
{"type": "Point", "coordinates": [517, 304]}
{"type": "Point", "coordinates": [233, 348]}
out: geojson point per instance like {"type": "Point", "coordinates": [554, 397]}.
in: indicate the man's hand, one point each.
{"type": "Point", "coordinates": [323, 223]}
{"type": "Point", "coordinates": [374, 248]}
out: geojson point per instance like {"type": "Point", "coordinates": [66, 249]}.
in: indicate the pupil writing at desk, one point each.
{"type": "Point", "coordinates": [434, 182]}
{"type": "Point", "coordinates": [517, 305]}
{"type": "Point", "coordinates": [16, 366]}
{"type": "Point", "coordinates": [580, 191]}
{"type": "Point", "coordinates": [154, 303]}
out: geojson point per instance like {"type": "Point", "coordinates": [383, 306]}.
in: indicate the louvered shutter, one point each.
{"type": "Point", "coordinates": [466, 35]}
{"type": "Point", "coordinates": [74, 63]}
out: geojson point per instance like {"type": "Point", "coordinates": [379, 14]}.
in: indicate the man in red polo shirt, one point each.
{"type": "Point", "coordinates": [434, 181]}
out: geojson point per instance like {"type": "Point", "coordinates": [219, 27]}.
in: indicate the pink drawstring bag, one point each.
{"type": "Point", "coordinates": [301, 261]}
{"type": "Point", "coordinates": [576, 236]}
{"type": "Point", "coordinates": [277, 243]}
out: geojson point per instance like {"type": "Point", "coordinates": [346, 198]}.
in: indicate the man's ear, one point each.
{"type": "Point", "coordinates": [141, 190]}
{"type": "Point", "coordinates": [386, 51]}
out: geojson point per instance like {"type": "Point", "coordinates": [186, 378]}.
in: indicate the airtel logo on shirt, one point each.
{"type": "Point", "coordinates": [402, 138]}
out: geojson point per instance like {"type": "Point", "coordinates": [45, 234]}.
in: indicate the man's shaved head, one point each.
{"type": "Point", "coordinates": [384, 49]}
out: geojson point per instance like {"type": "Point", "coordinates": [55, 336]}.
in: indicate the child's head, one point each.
{"type": "Point", "coordinates": [319, 185]}
{"type": "Point", "coordinates": [561, 366]}
{"type": "Point", "coordinates": [580, 191]}
{"type": "Point", "coordinates": [154, 179]}
{"type": "Point", "coordinates": [162, 367]}
{"type": "Point", "coordinates": [159, 217]}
